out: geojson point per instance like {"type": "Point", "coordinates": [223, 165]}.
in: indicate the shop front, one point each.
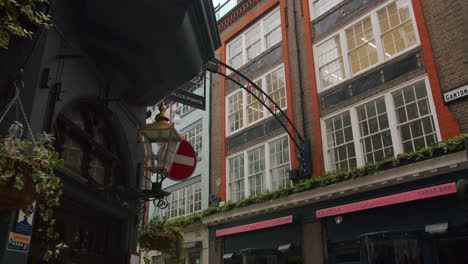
{"type": "Point", "coordinates": [261, 240]}
{"type": "Point", "coordinates": [426, 223]}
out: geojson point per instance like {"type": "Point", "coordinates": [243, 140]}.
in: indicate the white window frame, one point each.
{"type": "Point", "coordinates": [391, 114]}
{"type": "Point", "coordinates": [166, 212]}
{"type": "Point", "coordinates": [378, 42]}
{"type": "Point", "coordinates": [268, 176]}
{"type": "Point", "coordinates": [313, 11]}
{"type": "Point", "coordinates": [266, 113]}
{"type": "Point", "coordinates": [262, 40]}
{"type": "Point", "coordinates": [195, 139]}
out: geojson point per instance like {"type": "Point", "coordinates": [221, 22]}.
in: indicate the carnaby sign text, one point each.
{"type": "Point", "coordinates": [456, 94]}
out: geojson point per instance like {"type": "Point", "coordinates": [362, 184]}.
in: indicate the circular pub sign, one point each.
{"type": "Point", "coordinates": [184, 163]}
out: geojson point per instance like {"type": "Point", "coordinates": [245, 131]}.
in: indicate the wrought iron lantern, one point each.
{"type": "Point", "coordinates": [161, 143]}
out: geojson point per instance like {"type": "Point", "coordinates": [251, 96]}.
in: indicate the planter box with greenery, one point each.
{"type": "Point", "coordinates": [451, 145]}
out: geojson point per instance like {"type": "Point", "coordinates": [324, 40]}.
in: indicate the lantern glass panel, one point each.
{"type": "Point", "coordinates": [166, 152]}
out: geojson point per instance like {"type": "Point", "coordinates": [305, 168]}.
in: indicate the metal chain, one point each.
{"type": "Point", "coordinates": [17, 99]}
{"type": "Point", "coordinates": [27, 122]}
{"type": "Point", "coordinates": [10, 104]}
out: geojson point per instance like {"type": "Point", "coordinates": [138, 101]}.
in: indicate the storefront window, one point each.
{"type": "Point", "coordinates": [452, 250]}
{"type": "Point", "coordinates": [350, 255]}
{"type": "Point", "coordinates": [195, 258]}
{"type": "Point", "coordinates": [260, 260]}
{"type": "Point", "coordinates": [399, 251]}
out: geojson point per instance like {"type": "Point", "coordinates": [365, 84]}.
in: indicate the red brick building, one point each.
{"type": "Point", "coordinates": [365, 82]}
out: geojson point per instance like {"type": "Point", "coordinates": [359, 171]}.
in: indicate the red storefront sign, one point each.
{"type": "Point", "coordinates": [404, 197]}
{"type": "Point", "coordinates": [255, 226]}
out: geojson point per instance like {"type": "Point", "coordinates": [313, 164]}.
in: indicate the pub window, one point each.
{"type": "Point", "coordinates": [86, 143]}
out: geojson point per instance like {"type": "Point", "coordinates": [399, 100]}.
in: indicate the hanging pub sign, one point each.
{"type": "Point", "coordinates": [185, 95]}
{"type": "Point", "coordinates": [188, 98]}
{"type": "Point", "coordinates": [456, 94]}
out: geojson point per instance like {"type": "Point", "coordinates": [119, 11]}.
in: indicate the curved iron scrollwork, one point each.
{"type": "Point", "coordinates": [302, 144]}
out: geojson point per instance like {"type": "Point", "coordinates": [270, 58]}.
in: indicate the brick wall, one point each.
{"type": "Point", "coordinates": [230, 30]}
{"type": "Point", "coordinates": [447, 23]}
{"type": "Point", "coordinates": [216, 132]}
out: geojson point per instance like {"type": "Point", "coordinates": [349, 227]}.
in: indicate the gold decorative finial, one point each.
{"type": "Point", "coordinates": [162, 114]}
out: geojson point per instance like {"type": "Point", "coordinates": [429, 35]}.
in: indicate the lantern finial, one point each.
{"type": "Point", "coordinates": [162, 114]}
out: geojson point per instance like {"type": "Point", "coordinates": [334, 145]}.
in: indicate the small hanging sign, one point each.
{"type": "Point", "coordinates": [18, 242]}
{"type": "Point", "coordinates": [20, 238]}
{"type": "Point", "coordinates": [188, 98]}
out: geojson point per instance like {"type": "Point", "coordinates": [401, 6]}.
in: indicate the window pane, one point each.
{"type": "Point", "coordinates": [253, 42]}
{"type": "Point", "coordinates": [452, 250]}
{"type": "Point", "coordinates": [275, 87]}
{"type": "Point", "coordinates": [272, 29]}
{"type": "Point", "coordinates": [323, 6]}
{"type": "Point", "coordinates": [420, 131]}
{"type": "Point", "coordinates": [235, 53]}
{"type": "Point", "coordinates": [236, 177]}
{"type": "Point", "coordinates": [393, 251]}
{"type": "Point", "coordinates": [235, 118]}
{"type": "Point", "coordinates": [377, 141]}
{"type": "Point", "coordinates": [330, 62]}
{"type": "Point", "coordinates": [256, 170]}
{"type": "Point", "coordinates": [362, 49]}
{"type": "Point", "coordinates": [279, 162]}
{"type": "Point", "coordinates": [254, 107]}
{"type": "Point", "coordinates": [341, 154]}
{"type": "Point", "coordinates": [397, 29]}
{"type": "Point", "coordinates": [194, 137]}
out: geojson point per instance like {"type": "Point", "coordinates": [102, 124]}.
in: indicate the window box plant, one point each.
{"type": "Point", "coordinates": [386, 164]}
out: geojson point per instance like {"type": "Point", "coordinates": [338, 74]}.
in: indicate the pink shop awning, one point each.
{"type": "Point", "coordinates": [255, 226]}
{"type": "Point", "coordinates": [438, 190]}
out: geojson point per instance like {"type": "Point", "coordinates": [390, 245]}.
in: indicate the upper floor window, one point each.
{"type": "Point", "coordinates": [194, 137]}
{"type": "Point", "coordinates": [241, 105]}
{"type": "Point", "coordinates": [397, 122]}
{"type": "Point", "coordinates": [184, 201]}
{"type": "Point", "coordinates": [266, 166]}
{"type": "Point", "coordinates": [330, 61]}
{"type": "Point", "coordinates": [235, 111]}
{"type": "Point", "coordinates": [374, 131]}
{"type": "Point", "coordinates": [319, 7]}
{"type": "Point", "coordinates": [236, 177]}
{"type": "Point", "coordinates": [257, 38]}
{"type": "Point", "coordinates": [379, 36]}
{"type": "Point", "coordinates": [362, 51]}
{"type": "Point", "coordinates": [340, 142]}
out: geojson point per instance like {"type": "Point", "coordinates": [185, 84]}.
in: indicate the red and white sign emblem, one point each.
{"type": "Point", "coordinates": [184, 163]}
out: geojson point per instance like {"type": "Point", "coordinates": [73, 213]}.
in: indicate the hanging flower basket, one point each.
{"type": "Point", "coordinates": [162, 236]}
{"type": "Point", "coordinates": [161, 242]}
{"type": "Point", "coordinates": [11, 196]}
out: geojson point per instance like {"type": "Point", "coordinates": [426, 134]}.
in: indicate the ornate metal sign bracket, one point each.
{"type": "Point", "coordinates": [302, 144]}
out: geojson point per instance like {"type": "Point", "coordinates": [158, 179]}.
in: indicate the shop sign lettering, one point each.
{"type": "Point", "coordinates": [456, 94]}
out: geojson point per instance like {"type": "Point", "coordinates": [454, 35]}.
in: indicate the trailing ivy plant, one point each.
{"type": "Point", "coordinates": [41, 159]}
{"type": "Point", "coordinates": [156, 229]}
{"type": "Point", "coordinates": [15, 15]}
